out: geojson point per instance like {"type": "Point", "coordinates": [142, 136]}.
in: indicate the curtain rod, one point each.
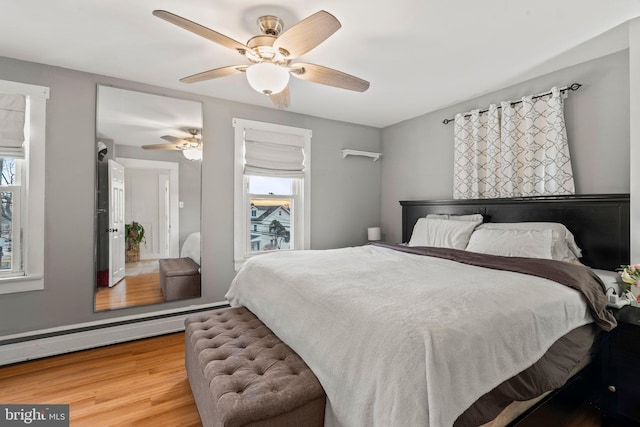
{"type": "Point", "coordinates": [574, 86]}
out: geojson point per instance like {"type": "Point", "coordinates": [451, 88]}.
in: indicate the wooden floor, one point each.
{"type": "Point", "coordinates": [141, 383]}
{"type": "Point", "coordinates": [130, 291]}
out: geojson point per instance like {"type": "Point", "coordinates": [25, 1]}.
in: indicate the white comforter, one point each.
{"type": "Point", "coordinates": [398, 339]}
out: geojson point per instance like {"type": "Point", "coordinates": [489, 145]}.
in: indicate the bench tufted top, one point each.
{"type": "Point", "coordinates": [252, 374]}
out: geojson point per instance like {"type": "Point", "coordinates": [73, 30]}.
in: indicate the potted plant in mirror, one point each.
{"type": "Point", "coordinates": [134, 234]}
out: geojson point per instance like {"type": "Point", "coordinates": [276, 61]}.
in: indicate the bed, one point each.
{"type": "Point", "coordinates": [401, 335]}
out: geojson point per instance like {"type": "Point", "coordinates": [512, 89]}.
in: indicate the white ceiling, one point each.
{"type": "Point", "coordinates": [419, 55]}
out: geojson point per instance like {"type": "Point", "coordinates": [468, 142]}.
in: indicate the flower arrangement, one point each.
{"type": "Point", "coordinates": [629, 276]}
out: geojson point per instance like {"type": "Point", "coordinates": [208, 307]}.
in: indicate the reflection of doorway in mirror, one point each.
{"type": "Point", "coordinates": [116, 222]}
{"type": "Point", "coordinates": [151, 199]}
{"type": "Point", "coordinates": [145, 205]}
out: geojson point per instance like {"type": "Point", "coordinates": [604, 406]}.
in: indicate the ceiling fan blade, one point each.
{"type": "Point", "coordinates": [162, 147]}
{"type": "Point", "coordinates": [173, 139]}
{"type": "Point", "coordinates": [214, 74]}
{"type": "Point", "coordinates": [281, 99]}
{"type": "Point", "coordinates": [307, 34]}
{"type": "Point", "coordinates": [328, 76]}
{"type": "Point", "coordinates": [201, 30]}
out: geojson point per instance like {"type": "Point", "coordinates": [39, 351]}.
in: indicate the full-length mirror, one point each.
{"type": "Point", "coordinates": [148, 179]}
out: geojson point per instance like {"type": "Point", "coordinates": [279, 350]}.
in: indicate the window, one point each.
{"type": "Point", "coordinates": [272, 182]}
{"type": "Point", "coordinates": [271, 197]}
{"type": "Point", "coordinates": [22, 141]}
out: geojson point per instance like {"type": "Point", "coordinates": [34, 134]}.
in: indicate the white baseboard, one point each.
{"type": "Point", "coordinates": [95, 334]}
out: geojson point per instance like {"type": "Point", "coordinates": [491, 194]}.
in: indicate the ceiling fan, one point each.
{"type": "Point", "coordinates": [271, 53]}
{"type": "Point", "coordinates": [191, 147]}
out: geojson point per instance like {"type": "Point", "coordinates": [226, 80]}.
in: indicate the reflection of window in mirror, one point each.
{"type": "Point", "coordinates": [148, 181]}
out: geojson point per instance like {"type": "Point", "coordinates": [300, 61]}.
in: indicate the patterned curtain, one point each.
{"type": "Point", "coordinates": [522, 152]}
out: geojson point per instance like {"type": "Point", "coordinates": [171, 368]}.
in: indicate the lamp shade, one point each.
{"type": "Point", "coordinates": [267, 78]}
{"type": "Point", "coordinates": [373, 233]}
{"type": "Point", "coordinates": [192, 154]}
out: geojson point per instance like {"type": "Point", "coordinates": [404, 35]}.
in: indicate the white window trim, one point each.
{"type": "Point", "coordinates": [33, 238]}
{"type": "Point", "coordinates": [242, 213]}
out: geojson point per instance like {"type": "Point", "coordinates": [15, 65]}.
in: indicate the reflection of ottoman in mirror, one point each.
{"type": "Point", "coordinates": [179, 278]}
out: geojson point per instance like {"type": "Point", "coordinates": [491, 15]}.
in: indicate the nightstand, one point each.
{"type": "Point", "coordinates": [621, 369]}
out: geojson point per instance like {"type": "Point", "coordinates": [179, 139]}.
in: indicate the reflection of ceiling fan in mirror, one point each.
{"type": "Point", "coordinates": [271, 53]}
{"type": "Point", "coordinates": [191, 147]}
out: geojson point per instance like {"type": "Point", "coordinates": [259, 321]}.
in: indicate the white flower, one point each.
{"type": "Point", "coordinates": [627, 278]}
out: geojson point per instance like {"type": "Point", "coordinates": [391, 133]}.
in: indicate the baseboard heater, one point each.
{"type": "Point", "coordinates": [67, 339]}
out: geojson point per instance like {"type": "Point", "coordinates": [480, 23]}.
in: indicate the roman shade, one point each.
{"type": "Point", "coordinates": [12, 119]}
{"type": "Point", "coordinates": [273, 154]}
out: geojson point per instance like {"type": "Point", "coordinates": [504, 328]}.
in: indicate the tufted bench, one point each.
{"type": "Point", "coordinates": [179, 278]}
{"type": "Point", "coordinates": [241, 374]}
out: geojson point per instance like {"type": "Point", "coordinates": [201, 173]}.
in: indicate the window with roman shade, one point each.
{"type": "Point", "coordinates": [22, 165]}
{"type": "Point", "coordinates": [272, 184]}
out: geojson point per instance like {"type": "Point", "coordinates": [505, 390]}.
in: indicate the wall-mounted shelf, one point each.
{"type": "Point", "coordinates": [348, 152]}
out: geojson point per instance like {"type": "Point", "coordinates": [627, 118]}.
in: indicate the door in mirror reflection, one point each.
{"type": "Point", "coordinates": [115, 203]}
{"type": "Point", "coordinates": [148, 180]}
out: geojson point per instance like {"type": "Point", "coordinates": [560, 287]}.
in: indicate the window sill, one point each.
{"type": "Point", "coordinates": [12, 285]}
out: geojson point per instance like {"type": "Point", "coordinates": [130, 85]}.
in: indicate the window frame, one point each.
{"type": "Point", "coordinates": [301, 214]}
{"type": "Point", "coordinates": [32, 205]}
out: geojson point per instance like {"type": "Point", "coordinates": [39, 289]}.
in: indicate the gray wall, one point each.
{"type": "Point", "coordinates": [345, 194]}
{"type": "Point", "coordinates": [418, 153]}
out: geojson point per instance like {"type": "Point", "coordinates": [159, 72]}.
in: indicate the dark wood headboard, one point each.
{"type": "Point", "coordinates": [600, 223]}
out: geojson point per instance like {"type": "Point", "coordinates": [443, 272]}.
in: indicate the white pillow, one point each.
{"type": "Point", "coordinates": [518, 243]}
{"type": "Point", "coordinates": [477, 218]}
{"type": "Point", "coordinates": [442, 233]}
{"type": "Point", "coordinates": [563, 244]}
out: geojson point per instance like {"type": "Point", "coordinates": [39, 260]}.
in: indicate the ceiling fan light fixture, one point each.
{"type": "Point", "coordinates": [267, 78]}
{"type": "Point", "coordinates": [271, 53]}
{"type": "Point", "coordinates": [192, 154]}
